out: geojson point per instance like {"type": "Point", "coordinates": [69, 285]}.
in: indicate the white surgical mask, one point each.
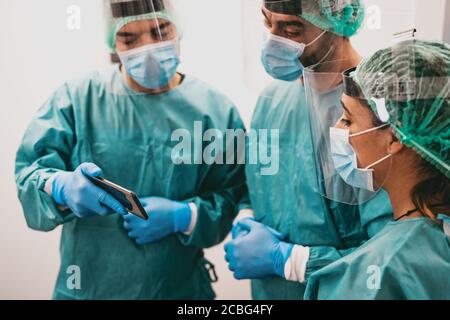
{"type": "Point", "coordinates": [345, 161]}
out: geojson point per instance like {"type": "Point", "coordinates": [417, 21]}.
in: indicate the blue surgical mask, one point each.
{"type": "Point", "coordinates": [152, 66]}
{"type": "Point", "coordinates": [345, 161]}
{"type": "Point", "coordinates": [281, 57]}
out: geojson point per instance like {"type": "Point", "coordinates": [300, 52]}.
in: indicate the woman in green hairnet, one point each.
{"type": "Point", "coordinates": [125, 125]}
{"type": "Point", "coordinates": [398, 103]}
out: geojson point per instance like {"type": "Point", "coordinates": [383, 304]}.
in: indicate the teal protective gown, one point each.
{"type": "Point", "coordinates": [129, 137]}
{"type": "Point", "coordinates": [290, 201]}
{"type": "Point", "coordinates": [408, 259]}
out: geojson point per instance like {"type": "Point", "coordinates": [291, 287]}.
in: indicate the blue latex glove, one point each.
{"type": "Point", "coordinates": [258, 254]}
{"type": "Point", "coordinates": [238, 231]}
{"type": "Point", "coordinates": [164, 218]}
{"type": "Point", "coordinates": [75, 191]}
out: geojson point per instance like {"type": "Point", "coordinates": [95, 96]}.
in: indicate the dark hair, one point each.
{"type": "Point", "coordinates": [431, 196]}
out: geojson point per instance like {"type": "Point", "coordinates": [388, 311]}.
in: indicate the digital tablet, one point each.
{"type": "Point", "coordinates": [126, 197]}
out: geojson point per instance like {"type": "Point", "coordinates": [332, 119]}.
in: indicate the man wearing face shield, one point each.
{"type": "Point", "coordinates": [287, 229]}
{"type": "Point", "coordinates": [119, 124]}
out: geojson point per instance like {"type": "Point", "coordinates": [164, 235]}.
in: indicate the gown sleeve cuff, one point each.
{"type": "Point", "coordinates": [295, 267]}
{"type": "Point", "coordinates": [48, 186]}
{"type": "Point", "coordinates": [48, 189]}
{"type": "Point", "coordinates": [194, 216]}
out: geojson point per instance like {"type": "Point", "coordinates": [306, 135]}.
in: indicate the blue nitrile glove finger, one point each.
{"type": "Point", "coordinates": [228, 252]}
{"type": "Point", "coordinates": [244, 227]}
{"type": "Point", "coordinates": [276, 233]}
{"type": "Point", "coordinates": [259, 254]}
{"type": "Point", "coordinates": [238, 231]}
{"type": "Point", "coordinates": [90, 169]}
{"type": "Point", "coordinates": [109, 201]}
{"type": "Point", "coordinates": [76, 191]}
{"type": "Point", "coordinates": [164, 218]}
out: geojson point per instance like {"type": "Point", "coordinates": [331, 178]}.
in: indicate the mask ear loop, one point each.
{"type": "Point", "coordinates": [378, 162]}
{"type": "Point", "coordinates": [326, 54]}
{"type": "Point", "coordinates": [369, 130]}
{"type": "Point", "coordinates": [316, 39]}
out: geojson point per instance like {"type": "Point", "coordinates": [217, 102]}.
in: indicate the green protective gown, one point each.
{"type": "Point", "coordinates": [129, 137]}
{"type": "Point", "coordinates": [408, 259]}
{"type": "Point", "coordinates": [290, 202]}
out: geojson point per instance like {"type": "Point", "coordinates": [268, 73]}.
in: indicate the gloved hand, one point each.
{"type": "Point", "coordinates": [258, 254]}
{"type": "Point", "coordinates": [238, 231]}
{"type": "Point", "coordinates": [76, 191]}
{"type": "Point", "coordinates": [164, 218]}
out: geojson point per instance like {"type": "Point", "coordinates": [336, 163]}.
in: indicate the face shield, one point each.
{"type": "Point", "coordinates": [122, 16]}
{"type": "Point", "coordinates": [342, 176]}
{"type": "Point", "coordinates": [144, 38]}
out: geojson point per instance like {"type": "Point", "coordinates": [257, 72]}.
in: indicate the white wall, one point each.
{"type": "Point", "coordinates": [38, 53]}
{"type": "Point", "coordinates": [221, 46]}
{"type": "Point", "coordinates": [446, 26]}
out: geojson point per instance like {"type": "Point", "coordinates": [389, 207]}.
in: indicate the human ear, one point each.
{"type": "Point", "coordinates": [394, 146]}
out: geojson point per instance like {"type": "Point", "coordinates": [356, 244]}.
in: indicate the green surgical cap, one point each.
{"type": "Point", "coordinates": [342, 17]}
{"type": "Point", "coordinates": [114, 25]}
{"type": "Point", "coordinates": [413, 79]}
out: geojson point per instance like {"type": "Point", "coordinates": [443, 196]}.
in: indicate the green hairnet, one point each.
{"type": "Point", "coordinates": [414, 79]}
{"type": "Point", "coordinates": [114, 25]}
{"type": "Point", "coordinates": [343, 17]}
